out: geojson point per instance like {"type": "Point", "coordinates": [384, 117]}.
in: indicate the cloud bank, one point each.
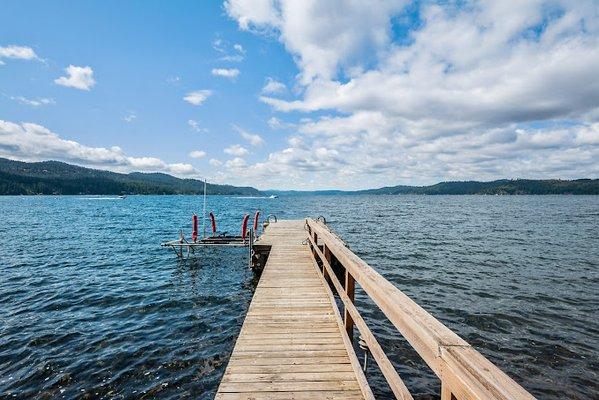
{"type": "Point", "coordinates": [468, 90]}
{"type": "Point", "coordinates": [32, 142]}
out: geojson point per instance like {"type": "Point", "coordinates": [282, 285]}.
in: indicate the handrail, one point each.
{"type": "Point", "coordinates": [464, 372]}
{"type": "Point", "coordinates": [395, 383]}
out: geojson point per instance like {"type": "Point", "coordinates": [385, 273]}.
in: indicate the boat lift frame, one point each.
{"type": "Point", "coordinates": [182, 244]}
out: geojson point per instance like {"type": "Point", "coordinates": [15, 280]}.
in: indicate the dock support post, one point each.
{"type": "Point", "coordinates": [350, 290]}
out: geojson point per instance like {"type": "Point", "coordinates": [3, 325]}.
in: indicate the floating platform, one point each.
{"type": "Point", "coordinates": [295, 343]}
{"type": "Point", "coordinates": [237, 241]}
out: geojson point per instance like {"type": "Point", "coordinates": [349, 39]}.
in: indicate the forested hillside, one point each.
{"type": "Point", "coordinates": [53, 177]}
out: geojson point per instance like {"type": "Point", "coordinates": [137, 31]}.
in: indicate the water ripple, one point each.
{"type": "Point", "coordinates": [93, 308]}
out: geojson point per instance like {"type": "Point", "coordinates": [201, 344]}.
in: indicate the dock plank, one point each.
{"type": "Point", "coordinates": [291, 344]}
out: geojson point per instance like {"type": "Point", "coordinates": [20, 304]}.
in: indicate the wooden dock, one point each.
{"type": "Point", "coordinates": [292, 344]}
{"type": "Point", "coordinates": [296, 344]}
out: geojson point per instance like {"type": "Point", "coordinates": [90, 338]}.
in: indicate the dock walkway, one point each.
{"type": "Point", "coordinates": [292, 344]}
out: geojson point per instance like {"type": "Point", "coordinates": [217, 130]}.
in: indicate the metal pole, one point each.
{"type": "Point", "coordinates": [204, 211]}
{"type": "Point", "coordinates": [251, 246]}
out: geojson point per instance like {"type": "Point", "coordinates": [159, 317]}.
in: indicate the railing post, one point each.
{"type": "Point", "coordinates": [350, 290]}
{"type": "Point", "coordinates": [446, 392]}
{"type": "Point", "coordinates": [328, 258]}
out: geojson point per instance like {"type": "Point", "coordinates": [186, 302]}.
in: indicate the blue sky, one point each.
{"type": "Point", "coordinates": [359, 96]}
{"type": "Point", "coordinates": [145, 57]}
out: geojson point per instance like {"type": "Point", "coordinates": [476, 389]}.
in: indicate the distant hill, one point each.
{"type": "Point", "coordinates": [54, 177]}
{"type": "Point", "coordinates": [500, 187]}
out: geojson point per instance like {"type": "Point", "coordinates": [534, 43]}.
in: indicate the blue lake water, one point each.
{"type": "Point", "coordinates": [92, 307]}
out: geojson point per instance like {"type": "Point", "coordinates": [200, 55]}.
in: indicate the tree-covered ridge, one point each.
{"type": "Point", "coordinates": [501, 187]}
{"type": "Point", "coordinates": [54, 177]}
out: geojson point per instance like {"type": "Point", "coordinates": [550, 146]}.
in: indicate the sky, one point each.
{"type": "Point", "coordinates": [283, 94]}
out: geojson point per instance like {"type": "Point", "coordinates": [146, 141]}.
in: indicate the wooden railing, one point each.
{"type": "Point", "coordinates": [464, 372]}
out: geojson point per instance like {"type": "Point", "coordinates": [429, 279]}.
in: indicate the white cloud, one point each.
{"type": "Point", "coordinates": [253, 13]}
{"type": "Point", "coordinates": [34, 102]}
{"type": "Point", "coordinates": [239, 48]}
{"type": "Point", "coordinates": [17, 53]}
{"type": "Point", "coordinates": [236, 150]}
{"type": "Point", "coordinates": [276, 123]}
{"type": "Point", "coordinates": [195, 126]}
{"type": "Point", "coordinates": [197, 154]}
{"type": "Point", "coordinates": [273, 86]}
{"type": "Point", "coordinates": [475, 90]}
{"type": "Point", "coordinates": [235, 163]}
{"type": "Point", "coordinates": [130, 117]}
{"type": "Point", "coordinates": [252, 138]}
{"type": "Point", "coordinates": [197, 97]}
{"type": "Point", "coordinates": [215, 163]}
{"type": "Point", "coordinates": [323, 35]}
{"type": "Point", "coordinates": [77, 77]}
{"type": "Point", "coordinates": [235, 53]}
{"type": "Point", "coordinates": [32, 142]}
{"type": "Point", "coordinates": [230, 73]}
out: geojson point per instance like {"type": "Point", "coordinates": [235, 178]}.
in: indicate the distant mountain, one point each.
{"type": "Point", "coordinates": [54, 177]}
{"type": "Point", "coordinates": [500, 187]}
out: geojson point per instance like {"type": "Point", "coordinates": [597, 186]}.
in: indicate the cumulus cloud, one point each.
{"type": "Point", "coordinates": [230, 73]}
{"type": "Point", "coordinates": [215, 163]}
{"type": "Point", "coordinates": [81, 78]}
{"type": "Point", "coordinates": [253, 138]}
{"type": "Point", "coordinates": [272, 86]}
{"type": "Point", "coordinates": [197, 97]}
{"type": "Point", "coordinates": [17, 53]}
{"type": "Point", "coordinates": [322, 34]}
{"type": "Point", "coordinates": [236, 150]}
{"type": "Point", "coordinates": [197, 154]}
{"type": "Point", "coordinates": [33, 142]}
{"type": "Point", "coordinates": [236, 163]}
{"type": "Point", "coordinates": [471, 90]}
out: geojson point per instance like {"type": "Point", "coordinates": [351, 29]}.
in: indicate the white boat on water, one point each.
{"type": "Point", "coordinates": [273, 196]}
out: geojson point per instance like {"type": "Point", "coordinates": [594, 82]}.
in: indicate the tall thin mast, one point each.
{"type": "Point", "coordinates": [204, 210]}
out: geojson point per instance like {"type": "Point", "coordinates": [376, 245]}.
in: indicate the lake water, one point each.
{"type": "Point", "coordinates": [92, 307]}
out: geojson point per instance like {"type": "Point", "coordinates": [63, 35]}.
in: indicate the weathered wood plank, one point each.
{"type": "Point", "coordinates": [312, 361]}
{"type": "Point", "coordinates": [292, 386]}
{"type": "Point", "coordinates": [281, 368]}
{"type": "Point", "coordinates": [289, 376]}
{"type": "Point", "coordinates": [307, 395]}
